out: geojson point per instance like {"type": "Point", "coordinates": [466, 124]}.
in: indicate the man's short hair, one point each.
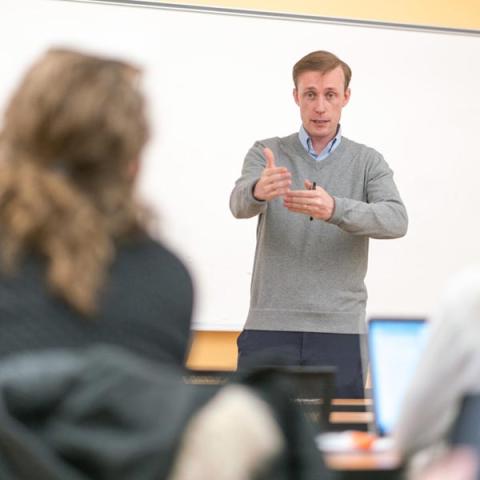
{"type": "Point", "coordinates": [320, 61]}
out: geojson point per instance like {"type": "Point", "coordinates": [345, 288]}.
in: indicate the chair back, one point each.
{"type": "Point", "coordinates": [313, 388]}
{"type": "Point", "coordinates": [465, 431]}
{"type": "Point", "coordinates": [466, 427]}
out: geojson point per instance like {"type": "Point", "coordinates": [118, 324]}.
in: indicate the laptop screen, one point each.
{"type": "Point", "coordinates": [395, 346]}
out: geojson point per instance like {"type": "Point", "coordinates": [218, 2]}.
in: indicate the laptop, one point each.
{"type": "Point", "coordinates": [395, 346]}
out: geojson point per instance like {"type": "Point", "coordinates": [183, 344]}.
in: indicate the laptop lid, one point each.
{"type": "Point", "coordinates": [395, 346]}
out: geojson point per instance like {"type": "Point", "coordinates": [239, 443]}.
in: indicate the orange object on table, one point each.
{"type": "Point", "coordinates": [363, 440]}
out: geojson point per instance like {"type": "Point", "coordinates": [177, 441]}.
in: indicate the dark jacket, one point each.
{"type": "Point", "coordinates": [102, 414]}
{"type": "Point", "coordinates": [106, 414]}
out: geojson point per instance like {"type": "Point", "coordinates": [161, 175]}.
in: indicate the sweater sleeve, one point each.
{"type": "Point", "coordinates": [242, 202]}
{"type": "Point", "coordinates": [382, 215]}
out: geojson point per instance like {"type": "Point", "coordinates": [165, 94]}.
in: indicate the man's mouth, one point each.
{"type": "Point", "coordinates": [320, 122]}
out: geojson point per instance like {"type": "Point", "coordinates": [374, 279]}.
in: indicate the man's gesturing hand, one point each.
{"type": "Point", "coordinates": [316, 203]}
{"type": "Point", "coordinates": [274, 181]}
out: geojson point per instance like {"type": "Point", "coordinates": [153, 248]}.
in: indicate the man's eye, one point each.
{"type": "Point", "coordinates": [331, 95]}
{"type": "Point", "coordinates": [310, 95]}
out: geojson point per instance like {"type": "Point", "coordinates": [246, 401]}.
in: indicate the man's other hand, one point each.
{"type": "Point", "coordinates": [317, 203]}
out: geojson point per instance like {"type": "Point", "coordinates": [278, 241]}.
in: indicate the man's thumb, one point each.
{"type": "Point", "coordinates": [269, 157]}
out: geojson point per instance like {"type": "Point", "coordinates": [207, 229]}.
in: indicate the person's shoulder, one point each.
{"type": "Point", "coordinates": [150, 254]}
{"type": "Point", "coordinates": [360, 148]}
{"type": "Point", "coordinates": [275, 142]}
{"type": "Point", "coordinates": [141, 244]}
{"type": "Point", "coordinates": [458, 308]}
{"type": "Point", "coordinates": [464, 286]}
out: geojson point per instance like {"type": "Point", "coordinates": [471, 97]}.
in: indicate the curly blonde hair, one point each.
{"type": "Point", "coordinates": [72, 132]}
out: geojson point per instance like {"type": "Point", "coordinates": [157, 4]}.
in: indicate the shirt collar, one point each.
{"type": "Point", "coordinates": [306, 141]}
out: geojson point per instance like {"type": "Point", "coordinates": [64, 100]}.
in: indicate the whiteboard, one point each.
{"type": "Point", "coordinates": [217, 83]}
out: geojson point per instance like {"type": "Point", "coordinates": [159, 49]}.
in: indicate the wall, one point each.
{"type": "Point", "coordinates": [213, 351]}
{"type": "Point", "coordinates": [218, 349]}
{"type": "Point", "coordinates": [413, 107]}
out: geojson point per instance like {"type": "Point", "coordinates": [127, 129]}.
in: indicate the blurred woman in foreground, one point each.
{"type": "Point", "coordinates": [77, 266]}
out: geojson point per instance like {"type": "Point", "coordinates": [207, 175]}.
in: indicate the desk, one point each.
{"type": "Point", "coordinates": [357, 414]}
{"type": "Point", "coordinates": [365, 465]}
{"type": "Point", "coordinates": [361, 418]}
{"type": "Point", "coordinates": [345, 414]}
{"type": "Point", "coordinates": [351, 414]}
{"type": "Point", "coordinates": [363, 461]}
{"type": "Point", "coordinates": [352, 402]}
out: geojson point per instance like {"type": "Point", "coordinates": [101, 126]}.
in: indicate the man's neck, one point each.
{"type": "Point", "coordinates": [319, 145]}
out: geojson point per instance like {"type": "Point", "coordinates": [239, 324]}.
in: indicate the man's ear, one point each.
{"type": "Point", "coordinates": [133, 168]}
{"type": "Point", "coordinates": [295, 96]}
{"type": "Point", "coordinates": [346, 99]}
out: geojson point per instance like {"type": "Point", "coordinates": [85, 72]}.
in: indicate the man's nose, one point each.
{"type": "Point", "coordinates": [320, 104]}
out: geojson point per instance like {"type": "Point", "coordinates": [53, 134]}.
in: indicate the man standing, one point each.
{"type": "Point", "coordinates": [319, 197]}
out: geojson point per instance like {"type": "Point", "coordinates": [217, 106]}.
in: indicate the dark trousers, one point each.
{"type": "Point", "coordinates": [264, 347]}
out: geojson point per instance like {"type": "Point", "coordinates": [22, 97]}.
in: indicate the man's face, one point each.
{"type": "Point", "coordinates": [321, 97]}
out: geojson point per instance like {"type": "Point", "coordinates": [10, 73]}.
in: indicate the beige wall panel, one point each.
{"type": "Point", "coordinates": [213, 351]}
{"type": "Point", "coordinates": [440, 13]}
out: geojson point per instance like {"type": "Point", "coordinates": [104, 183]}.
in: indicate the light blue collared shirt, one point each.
{"type": "Point", "coordinates": [306, 141]}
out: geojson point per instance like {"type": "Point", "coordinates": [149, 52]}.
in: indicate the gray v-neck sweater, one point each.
{"type": "Point", "coordinates": [309, 275]}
